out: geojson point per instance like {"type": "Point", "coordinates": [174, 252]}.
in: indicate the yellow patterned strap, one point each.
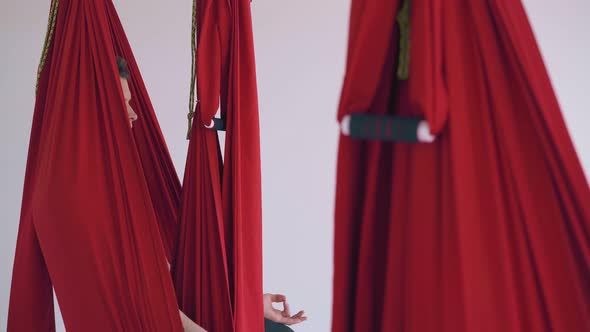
{"type": "Point", "coordinates": [48, 38]}
{"type": "Point", "coordinates": [191, 104]}
{"type": "Point", "coordinates": [403, 19]}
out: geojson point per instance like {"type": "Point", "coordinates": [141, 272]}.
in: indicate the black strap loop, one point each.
{"type": "Point", "coordinates": [386, 128]}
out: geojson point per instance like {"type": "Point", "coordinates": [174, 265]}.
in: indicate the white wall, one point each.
{"type": "Point", "coordinates": [21, 38]}
{"type": "Point", "coordinates": [562, 29]}
{"type": "Point", "coordinates": [300, 49]}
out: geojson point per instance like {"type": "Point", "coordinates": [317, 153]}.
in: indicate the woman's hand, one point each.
{"type": "Point", "coordinates": [278, 316]}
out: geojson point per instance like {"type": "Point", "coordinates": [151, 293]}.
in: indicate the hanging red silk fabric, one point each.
{"type": "Point", "coordinates": [487, 228]}
{"type": "Point", "coordinates": [99, 204]}
{"type": "Point", "coordinates": [218, 270]}
{"type": "Point", "coordinates": [158, 168]}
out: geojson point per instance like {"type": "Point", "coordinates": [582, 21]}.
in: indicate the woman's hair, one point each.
{"type": "Point", "coordinates": [123, 70]}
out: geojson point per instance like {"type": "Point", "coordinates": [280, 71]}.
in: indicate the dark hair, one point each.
{"type": "Point", "coordinates": [123, 70]}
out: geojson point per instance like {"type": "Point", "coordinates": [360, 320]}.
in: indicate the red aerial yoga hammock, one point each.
{"type": "Point", "coordinates": [94, 193]}
{"type": "Point", "coordinates": [218, 270]}
{"type": "Point", "coordinates": [487, 228]}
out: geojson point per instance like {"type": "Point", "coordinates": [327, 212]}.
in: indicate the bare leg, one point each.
{"type": "Point", "coordinates": [189, 325]}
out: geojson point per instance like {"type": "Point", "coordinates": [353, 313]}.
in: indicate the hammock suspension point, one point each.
{"type": "Point", "coordinates": [386, 128]}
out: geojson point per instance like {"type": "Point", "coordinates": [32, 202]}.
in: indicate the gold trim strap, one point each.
{"type": "Point", "coordinates": [403, 19]}
{"type": "Point", "coordinates": [191, 104]}
{"type": "Point", "coordinates": [48, 38]}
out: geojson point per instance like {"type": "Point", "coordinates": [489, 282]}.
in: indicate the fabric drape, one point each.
{"type": "Point", "coordinates": [486, 229]}
{"type": "Point", "coordinates": [157, 166]}
{"type": "Point", "coordinates": [99, 203]}
{"type": "Point", "coordinates": [218, 271]}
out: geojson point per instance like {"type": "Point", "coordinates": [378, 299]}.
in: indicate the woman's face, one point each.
{"type": "Point", "coordinates": [127, 94]}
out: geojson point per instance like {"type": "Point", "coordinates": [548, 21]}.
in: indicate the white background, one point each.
{"type": "Point", "coordinates": [301, 48]}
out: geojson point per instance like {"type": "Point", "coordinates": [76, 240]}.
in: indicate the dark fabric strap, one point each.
{"type": "Point", "coordinates": [218, 124]}
{"type": "Point", "coordinates": [384, 128]}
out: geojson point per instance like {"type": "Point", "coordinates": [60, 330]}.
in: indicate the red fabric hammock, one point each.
{"type": "Point", "coordinates": [486, 229]}
{"type": "Point", "coordinates": [218, 271]}
{"type": "Point", "coordinates": [158, 168]}
{"type": "Point", "coordinates": [94, 193]}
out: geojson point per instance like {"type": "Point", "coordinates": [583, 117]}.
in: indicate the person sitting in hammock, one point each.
{"type": "Point", "coordinates": [272, 315]}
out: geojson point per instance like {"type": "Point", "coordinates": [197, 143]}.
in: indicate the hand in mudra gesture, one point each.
{"type": "Point", "coordinates": [278, 316]}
